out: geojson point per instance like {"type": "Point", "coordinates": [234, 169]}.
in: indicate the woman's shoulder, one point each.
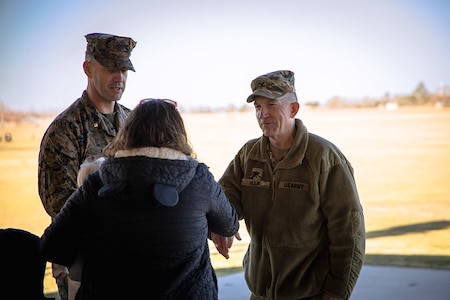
{"type": "Point", "coordinates": [93, 181]}
{"type": "Point", "coordinates": [202, 170]}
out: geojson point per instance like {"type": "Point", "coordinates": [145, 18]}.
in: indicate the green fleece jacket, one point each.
{"type": "Point", "coordinates": [304, 218]}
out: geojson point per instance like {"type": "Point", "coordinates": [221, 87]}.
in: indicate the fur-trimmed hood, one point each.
{"type": "Point", "coordinates": [144, 167]}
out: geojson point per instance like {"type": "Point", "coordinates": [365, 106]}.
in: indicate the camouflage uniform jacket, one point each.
{"type": "Point", "coordinates": [78, 133]}
{"type": "Point", "coordinates": [304, 218]}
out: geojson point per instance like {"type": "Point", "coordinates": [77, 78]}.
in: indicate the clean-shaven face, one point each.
{"type": "Point", "coordinates": [274, 116]}
{"type": "Point", "coordinates": [110, 84]}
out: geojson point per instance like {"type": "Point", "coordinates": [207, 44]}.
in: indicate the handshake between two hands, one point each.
{"type": "Point", "coordinates": [223, 243]}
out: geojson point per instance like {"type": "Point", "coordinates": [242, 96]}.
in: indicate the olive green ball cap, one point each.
{"type": "Point", "coordinates": [273, 85]}
{"type": "Point", "coordinates": [111, 51]}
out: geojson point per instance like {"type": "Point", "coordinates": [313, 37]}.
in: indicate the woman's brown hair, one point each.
{"type": "Point", "coordinates": [152, 123]}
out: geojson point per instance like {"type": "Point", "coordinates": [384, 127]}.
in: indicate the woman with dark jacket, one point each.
{"type": "Point", "coordinates": [141, 222]}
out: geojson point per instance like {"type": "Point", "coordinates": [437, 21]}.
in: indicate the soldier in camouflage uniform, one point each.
{"type": "Point", "coordinates": [82, 130]}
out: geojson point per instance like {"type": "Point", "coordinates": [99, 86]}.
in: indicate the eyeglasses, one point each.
{"type": "Point", "coordinates": [172, 102]}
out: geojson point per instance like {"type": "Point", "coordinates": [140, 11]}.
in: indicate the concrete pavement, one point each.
{"type": "Point", "coordinates": [374, 283]}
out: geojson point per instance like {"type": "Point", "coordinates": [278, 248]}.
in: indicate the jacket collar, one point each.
{"type": "Point", "coordinates": [98, 120]}
{"type": "Point", "coordinates": [296, 153]}
{"type": "Point", "coordinates": [155, 152]}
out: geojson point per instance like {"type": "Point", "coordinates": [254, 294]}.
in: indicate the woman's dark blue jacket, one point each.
{"type": "Point", "coordinates": [141, 226]}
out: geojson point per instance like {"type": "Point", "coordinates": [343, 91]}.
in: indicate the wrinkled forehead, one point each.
{"type": "Point", "coordinates": [261, 100]}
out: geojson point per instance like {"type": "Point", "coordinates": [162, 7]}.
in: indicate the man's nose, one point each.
{"type": "Point", "coordinates": [263, 111]}
{"type": "Point", "coordinates": [120, 76]}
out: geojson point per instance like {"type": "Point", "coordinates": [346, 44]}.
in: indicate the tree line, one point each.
{"type": "Point", "coordinates": [419, 97]}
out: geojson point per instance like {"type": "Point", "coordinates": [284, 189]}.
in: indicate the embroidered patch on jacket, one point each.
{"type": "Point", "coordinates": [255, 179]}
{"type": "Point", "coordinates": [294, 185]}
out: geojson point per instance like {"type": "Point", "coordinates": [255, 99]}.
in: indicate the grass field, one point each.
{"type": "Point", "coordinates": [401, 160]}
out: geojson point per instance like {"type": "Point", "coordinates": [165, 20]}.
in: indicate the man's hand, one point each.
{"type": "Point", "coordinates": [223, 243]}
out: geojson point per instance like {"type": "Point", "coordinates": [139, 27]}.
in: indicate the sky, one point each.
{"type": "Point", "coordinates": [205, 53]}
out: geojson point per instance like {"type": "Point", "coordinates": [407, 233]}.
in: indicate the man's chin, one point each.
{"type": "Point", "coordinates": [266, 133]}
{"type": "Point", "coordinates": [116, 97]}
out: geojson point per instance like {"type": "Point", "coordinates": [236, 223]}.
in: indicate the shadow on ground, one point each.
{"type": "Point", "coordinates": [406, 229]}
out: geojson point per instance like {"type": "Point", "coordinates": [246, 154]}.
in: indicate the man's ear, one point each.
{"type": "Point", "coordinates": [87, 67]}
{"type": "Point", "coordinates": [295, 106]}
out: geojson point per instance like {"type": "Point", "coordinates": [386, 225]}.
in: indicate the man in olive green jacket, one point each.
{"type": "Point", "coordinates": [298, 197]}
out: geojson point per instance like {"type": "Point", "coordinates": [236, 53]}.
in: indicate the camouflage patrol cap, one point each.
{"type": "Point", "coordinates": [111, 51]}
{"type": "Point", "coordinates": [273, 85]}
